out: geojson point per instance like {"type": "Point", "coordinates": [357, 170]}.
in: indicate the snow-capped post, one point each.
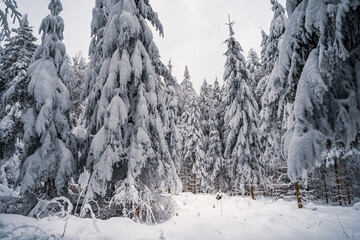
{"type": "Point", "coordinates": [49, 163]}
{"type": "Point", "coordinates": [219, 197]}
{"type": "Point", "coordinates": [128, 156]}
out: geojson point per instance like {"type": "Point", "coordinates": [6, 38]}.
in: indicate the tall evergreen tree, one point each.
{"type": "Point", "coordinates": [321, 81]}
{"type": "Point", "coordinates": [49, 163]}
{"type": "Point", "coordinates": [254, 67]}
{"type": "Point", "coordinates": [172, 129]}
{"type": "Point", "coordinates": [271, 125]}
{"type": "Point", "coordinates": [187, 92]}
{"type": "Point", "coordinates": [193, 166]}
{"type": "Point", "coordinates": [241, 118]}
{"type": "Point", "coordinates": [21, 44]}
{"type": "Point", "coordinates": [214, 154]}
{"type": "Point", "coordinates": [204, 105]}
{"type": "Point", "coordinates": [77, 78]}
{"type": "Point", "coordinates": [14, 64]}
{"type": "Point", "coordinates": [270, 51]}
{"type": "Point", "coordinates": [261, 85]}
{"type": "Point", "coordinates": [128, 157]}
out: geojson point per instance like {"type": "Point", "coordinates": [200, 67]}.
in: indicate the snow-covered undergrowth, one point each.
{"type": "Point", "coordinates": [199, 217]}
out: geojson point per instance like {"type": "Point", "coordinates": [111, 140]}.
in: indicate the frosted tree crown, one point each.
{"type": "Point", "coordinates": [55, 7]}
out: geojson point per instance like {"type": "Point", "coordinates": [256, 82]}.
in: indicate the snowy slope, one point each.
{"type": "Point", "coordinates": [197, 219]}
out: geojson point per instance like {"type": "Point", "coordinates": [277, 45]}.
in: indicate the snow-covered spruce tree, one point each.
{"type": "Point", "coordinates": [204, 104]}
{"type": "Point", "coordinates": [270, 49]}
{"type": "Point", "coordinates": [49, 164]}
{"type": "Point", "coordinates": [193, 164]}
{"type": "Point", "coordinates": [11, 51]}
{"type": "Point", "coordinates": [241, 119]}
{"type": "Point", "coordinates": [270, 45]}
{"type": "Point", "coordinates": [172, 135]}
{"type": "Point", "coordinates": [254, 67]}
{"type": "Point", "coordinates": [261, 85]}
{"type": "Point", "coordinates": [18, 53]}
{"type": "Point", "coordinates": [128, 156]}
{"type": "Point", "coordinates": [316, 76]}
{"type": "Point", "coordinates": [187, 92]}
{"type": "Point", "coordinates": [269, 89]}
{"type": "Point", "coordinates": [77, 77]}
{"type": "Point", "coordinates": [214, 154]}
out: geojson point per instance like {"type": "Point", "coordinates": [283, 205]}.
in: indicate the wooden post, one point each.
{"type": "Point", "coordinates": [252, 191]}
{"type": "Point", "coordinates": [337, 181]}
{"type": "Point", "coordinates": [326, 194]}
{"type": "Point", "coordinates": [264, 192]}
{"type": "Point", "coordinates": [298, 195]}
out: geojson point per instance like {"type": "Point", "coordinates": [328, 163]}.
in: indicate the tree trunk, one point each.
{"type": "Point", "coordinates": [326, 194]}
{"type": "Point", "coordinates": [194, 183]}
{"type": "Point", "coordinates": [298, 195]}
{"type": "Point", "coordinates": [337, 181]}
{"type": "Point", "coordinates": [184, 181]}
{"type": "Point", "coordinates": [234, 188]}
{"type": "Point", "coordinates": [347, 186]}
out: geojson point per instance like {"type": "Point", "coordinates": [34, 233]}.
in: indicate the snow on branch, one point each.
{"type": "Point", "coordinates": [10, 10]}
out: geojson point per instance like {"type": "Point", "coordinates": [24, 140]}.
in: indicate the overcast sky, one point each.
{"type": "Point", "coordinates": [194, 30]}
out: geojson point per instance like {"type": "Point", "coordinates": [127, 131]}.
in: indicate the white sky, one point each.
{"type": "Point", "coordinates": [194, 30]}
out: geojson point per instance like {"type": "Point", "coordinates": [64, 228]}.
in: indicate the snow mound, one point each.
{"type": "Point", "coordinates": [357, 206]}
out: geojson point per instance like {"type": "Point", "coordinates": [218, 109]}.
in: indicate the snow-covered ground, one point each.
{"type": "Point", "coordinates": [199, 217]}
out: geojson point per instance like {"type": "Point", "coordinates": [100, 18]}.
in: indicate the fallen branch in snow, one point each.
{"type": "Point", "coordinates": [53, 204]}
{"type": "Point", "coordinates": [24, 232]}
{"type": "Point", "coordinates": [51, 207]}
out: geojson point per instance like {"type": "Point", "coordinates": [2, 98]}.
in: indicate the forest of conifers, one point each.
{"type": "Point", "coordinates": [118, 132]}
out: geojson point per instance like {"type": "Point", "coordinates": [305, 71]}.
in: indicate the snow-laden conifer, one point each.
{"type": "Point", "coordinates": [18, 53]}
{"type": "Point", "coordinates": [128, 155]}
{"type": "Point", "coordinates": [254, 67]}
{"type": "Point", "coordinates": [214, 155]}
{"type": "Point", "coordinates": [314, 81]}
{"type": "Point", "coordinates": [187, 92]}
{"type": "Point", "coordinates": [271, 125]}
{"type": "Point", "coordinates": [193, 164]}
{"type": "Point", "coordinates": [77, 77]}
{"type": "Point", "coordinates": [204, 105]}
{"type": "Point", "coordinates": [241, 118]}
{"type": "Point", "coordinates": [49, 164]}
